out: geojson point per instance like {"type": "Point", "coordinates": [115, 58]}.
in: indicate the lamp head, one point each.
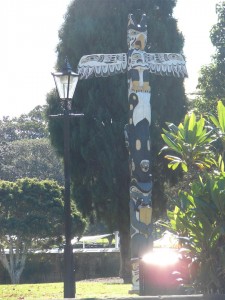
{"type": "Point", "coordinates": [66, 81]}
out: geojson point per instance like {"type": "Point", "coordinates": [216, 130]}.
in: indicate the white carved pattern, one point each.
{"type": "Point", "coordinates": [102, 65]}
{"type": "Point", "coordinates": [166, 64]}
{"type": "Point", "coordinates": [143, 109]}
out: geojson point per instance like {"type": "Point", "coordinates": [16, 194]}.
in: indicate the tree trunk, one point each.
{"type": "Point", "coordinates": [124, 231]}
{"type": "Point", "coordinates": [15, 276]}
{"type": "Point", "coordinates": [14, 271]}
{"type": "Point", "coordinates": [15, 262]}
{"type": "Point", "coordinates": [125, 263]}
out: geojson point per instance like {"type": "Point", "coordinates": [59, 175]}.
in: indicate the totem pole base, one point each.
{"type": "Point", "coordinates": [135, 276]}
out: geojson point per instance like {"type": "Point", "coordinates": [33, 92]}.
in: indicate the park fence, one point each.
{"type": "Point", "coordinates": [48, 267]}
{"type": "Point", "coordinates": [92, 260]}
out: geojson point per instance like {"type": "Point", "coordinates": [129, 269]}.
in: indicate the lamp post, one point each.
{"type": "Point", "coordinates": [66, 82]}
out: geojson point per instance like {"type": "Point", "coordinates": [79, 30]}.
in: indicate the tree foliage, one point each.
{"type": "Point", "coordinates": [25, 149]}
{"type": "Point", "coordinates": [99, 157]}
{"type": "Point", "coordinates": [28, 126]}
{"type": "Point", "coordinates": [194, 141]}
{"type": "Point", "coordinates": [211, 83]}
{"type": "Point", "coordinates": [33, 158]}
{"type": "Point", "coordinates": [191, 141]}
{"type": "Point", "coordinates": [31, 217]}
{"type": "Point", "coordinates": [218, 123]}
{"type": "Point", "coordinates": [200, 207]}
{"type": "Point", "coordinates": [199, 216]}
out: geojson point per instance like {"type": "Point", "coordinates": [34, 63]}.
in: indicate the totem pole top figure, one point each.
{"type": "Point", "coordinates": [137, 33]}
{"type": "Point", "coordinates": [104, 65]}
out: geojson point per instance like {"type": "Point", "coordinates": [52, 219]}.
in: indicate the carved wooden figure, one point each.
{"type": "Point", "coordinates": [137, 63]}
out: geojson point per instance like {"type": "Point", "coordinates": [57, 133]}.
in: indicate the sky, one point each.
{"type": "Point", "coordinates": [29, 34]}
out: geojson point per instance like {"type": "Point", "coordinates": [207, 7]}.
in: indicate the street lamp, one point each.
{"type": "Point", "coordinates": [66, 82]}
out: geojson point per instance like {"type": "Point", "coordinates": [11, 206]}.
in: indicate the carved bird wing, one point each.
{"type": "Point", "coordinates": [102, 65]}
{"type": "Point", "coordinates": [166, 64]}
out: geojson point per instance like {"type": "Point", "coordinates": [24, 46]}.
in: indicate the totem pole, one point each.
{"type": "Point", "coordinates": [137, 63]}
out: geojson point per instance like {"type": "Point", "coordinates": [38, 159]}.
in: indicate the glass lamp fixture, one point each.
{"type": "Point", "coordinates": [66, 82]}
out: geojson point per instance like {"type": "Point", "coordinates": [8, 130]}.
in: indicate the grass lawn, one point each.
{"type": "Point", "coordinates": [85, 290]}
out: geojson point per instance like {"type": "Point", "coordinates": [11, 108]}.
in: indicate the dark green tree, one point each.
{"type": "Point", "coordinates": [32, 158]}
{"type": "Point", "coordinates": [25, 149]}
{"type": "Point", "coordinates": [27, 126]}
{"type": "Point", "coordinates": [100, 172]}
{"type": "Point", "coordinates": [211, 83]}
{"type": "Point", "coordinates": [31, 217]}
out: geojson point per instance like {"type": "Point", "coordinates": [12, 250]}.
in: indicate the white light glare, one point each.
{"type": "Point", "coordinates": [161, 257]}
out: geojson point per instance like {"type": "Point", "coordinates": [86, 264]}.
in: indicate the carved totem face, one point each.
{"type": "Point", "coordinates": [137, 33]}
{"type": "Point", "coordinates": [145, 165]}
{"type": "Point", "coordinates": [140, 193]}
{"type": "Point", "coordinates": [137, 57]}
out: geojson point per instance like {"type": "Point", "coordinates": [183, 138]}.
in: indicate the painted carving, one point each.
{"type": "Point", "coordinates": [102, 65]}
{"type": "Point", "coordinates": [137, 63]}
{"type": "Point", "coordinates": [138, 132]}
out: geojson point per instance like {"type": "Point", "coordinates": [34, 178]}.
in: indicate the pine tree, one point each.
{"type": "Point", "coordinates": [100, 172]}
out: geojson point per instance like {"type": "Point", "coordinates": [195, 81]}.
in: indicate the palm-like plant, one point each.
{"type": "Point", "coordinates": [191, 143]}
{"type": "Point", "coordinates": [219, 124]}
{"type": "Point", "coordinates": [200, 216]}
{"type": "Point", "coordinates": [199, 213]}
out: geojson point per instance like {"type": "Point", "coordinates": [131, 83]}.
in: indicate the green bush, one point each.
{"type": "Point", "coordinates": [199, 213]}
